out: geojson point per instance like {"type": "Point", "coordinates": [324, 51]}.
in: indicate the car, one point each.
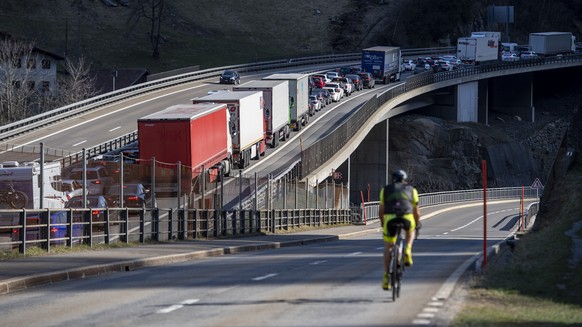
{"type": "Point", "coordinates": [528, 55]}
{"type": "Point", "coordinates": [59, 229]}
{"type": "Point", "coordinates": [98, 205]}
{"type": "Point", "coordinates": [230, 76]}
{"type": "Point", "coordinates": [345, 84]}
{"type": "Point", "coordinates": [421, 68]}
{"type": "Point", "coordinates": [357, 80]}
{"type": "Point", "coordinates": [442, 65]}
{"type": "Point", "coordinates": [134, 196]}
{"type": "Point", "coordinates": [323, 94]}
{"type": "Point", "coordinates": [323, 77]}
{"type": "Point", "coordinates": [509, 56]}
{"type": "Point", "coordinates": [71, 188]}
{"type": "Point", "coordinates": [343, 71]}
{"type": "Point", "coordinates": [315, 103]}
{"type": "Point", "coordinates": [338, 87]}
{"type": "Point", "coordinates": [448, 57]}
{"type": "Point", "coordinates": [318, 82]}
{"type": "Point", "coordinates": [368, 80]}
{"type": "Point", "coordinates": [409, 65]}
{"type": "Point", "coordinates": [332, 75]}
{"type": "Point", "coordinates": [335, 93]}
{"type": "Point", "coordinates": [98, 179]}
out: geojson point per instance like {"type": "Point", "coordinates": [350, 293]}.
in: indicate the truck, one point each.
{"type": "Point", "coordinates": [478, 48]}
{"type": "Point", "coordinates": [275, 110]}
{"type": "Point", "coordinates": [510, 47]}
{"type": "Point", "coordinates": [384, 63]}
{"type": "Point", "coordinates": [298, 98]}
{"type": "Point", "coordinates": [552, 43]}
{"type": "Point", "coordinates": [195, 135]}
{"type": "Point", "coordinates": [246, 123]}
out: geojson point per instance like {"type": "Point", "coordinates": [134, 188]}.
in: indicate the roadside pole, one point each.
{"type": "Point", "coordinates": [484, 170]}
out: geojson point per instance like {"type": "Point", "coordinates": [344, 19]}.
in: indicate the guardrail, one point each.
{"type": "Point", "coordinates": [328, 145]}
{"type": "Point", "coordinates": [369, 211]}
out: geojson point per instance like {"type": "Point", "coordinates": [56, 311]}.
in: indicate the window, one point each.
{"type": "Point", "coordinates": [30, 85]}
{"type": "Point", "coordinates": [46, 64]}
{"type": "Point", "coordinates": [18, 63]}
{"type": "Point", "coordinates": [31, 63]}
{"type": "Point", "coordinates": [16, 84]}
{"type": "Point", "coordinates": [45, 86]}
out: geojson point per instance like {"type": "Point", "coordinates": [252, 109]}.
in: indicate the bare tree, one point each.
{"type": "Point", "coordinates": [16, 80]}
{"type": "Point", "coordinates": [150, 10]}
{"type": "Point", "coordinates": [77, 85]}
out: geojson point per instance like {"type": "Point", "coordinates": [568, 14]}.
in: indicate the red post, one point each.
{"type": "Point", "coordinates": [484, 169]}
{"type": "Point", "coordinates": [368, 192]}
{"type": "Point", "coordinates": [522, 209]}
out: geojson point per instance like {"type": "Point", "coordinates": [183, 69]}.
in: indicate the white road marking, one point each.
{"type": "Point", "coordinates": [79, 143]}
{"type": "Point", "coordinates": [264, 277]}
{"type": "Point", "coordinates": [421, 322]}
{"type": "Point", "coordinates": [318, 262]}
{"type": "Point", "coordinates": [118, 127]}
{"type": "Point", "coordinates": [355, 253]}
{"type": "Point", "coordinates": [175, 307]}
{"type": "Point", "coordinates": [110, 113]}
{"type": "Point", "coordinates": [426, 315]}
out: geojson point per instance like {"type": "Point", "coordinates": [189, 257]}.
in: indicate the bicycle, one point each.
{"type": "Point", "coordinates": [15, 199]}
{"type": "Point", "coordinates": [396, 263]}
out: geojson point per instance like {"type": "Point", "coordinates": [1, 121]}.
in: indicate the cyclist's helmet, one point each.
{"type": "Point", "coordinates": [399, 176]}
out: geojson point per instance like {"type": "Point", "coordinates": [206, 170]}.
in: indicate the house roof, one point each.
{"type": "Point", "coordinates": [125, 78]}
{"type": "Point", "coordinates": [4, 35]}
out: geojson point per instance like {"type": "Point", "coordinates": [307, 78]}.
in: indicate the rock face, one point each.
{"type": "Point", "coordinates": [442, 155]}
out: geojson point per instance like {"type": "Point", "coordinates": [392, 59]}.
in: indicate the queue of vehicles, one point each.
{"type": "Point", "coordinates": [484, 47]}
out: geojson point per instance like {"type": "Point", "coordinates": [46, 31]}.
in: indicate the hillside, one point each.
{"type": "Point", "coordinates": [222, 32]}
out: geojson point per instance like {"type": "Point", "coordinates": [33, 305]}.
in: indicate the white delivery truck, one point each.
{"type": "Point", "coordinates": [276, 109]}
{"type": "Point", "coordinates": [552, 43]}
{"type": "Point", "coordinates": [478, 48]}
{"type": "Point", "coordinates": [245, 111]}
{"type": "Point", "coordinates": [298, 97]}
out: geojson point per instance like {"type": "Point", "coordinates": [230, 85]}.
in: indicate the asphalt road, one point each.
{"type": "Point", "coordinates": [323, 284]}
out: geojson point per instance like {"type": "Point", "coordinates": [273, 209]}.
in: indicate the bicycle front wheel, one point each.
{"type": "Point", "coordinates": [394, 272]}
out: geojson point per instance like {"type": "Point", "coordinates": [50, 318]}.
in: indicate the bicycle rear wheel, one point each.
{"type": "Point", "coordinates": [17, 199]}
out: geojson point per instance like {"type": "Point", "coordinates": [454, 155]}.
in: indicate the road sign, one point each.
{"type": "Point", "coordinates": [537, 184]}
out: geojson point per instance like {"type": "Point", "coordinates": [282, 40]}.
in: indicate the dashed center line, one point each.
{"type": "Point", "coordinates": [79, 143]}
{"type": "Point", "coordinates": [317, 262]}
{"type": "Point", "coordinates": [264, 277]}
{"type": "Point", "coordinates": [175, 307]}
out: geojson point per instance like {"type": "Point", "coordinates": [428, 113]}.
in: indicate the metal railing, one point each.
{"type": "Point", "coordinates": [41, 228]}
{"type": "Point", "coordinates": [369, 211]}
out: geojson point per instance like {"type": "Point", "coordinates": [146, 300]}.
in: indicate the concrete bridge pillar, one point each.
{"type": "Point", "coordinates": [367, 166]}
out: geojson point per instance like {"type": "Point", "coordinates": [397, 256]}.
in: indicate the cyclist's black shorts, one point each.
{"type": "Point", "coordinates": [392, 225]}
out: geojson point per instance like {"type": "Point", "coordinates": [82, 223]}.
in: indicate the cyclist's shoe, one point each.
{"type": "Point", "coordinates": [408, 257]}
{"type": "Point", "coordinates": [386, 282]}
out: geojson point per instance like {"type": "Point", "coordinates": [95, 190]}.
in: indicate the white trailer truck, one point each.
{"type": "Point", "coordinates": [245, 110]}
{"type": "Point", "coordinates": [276, 108]}
{"type": "Point", "coordinates": [552, 43]}
{"type": "Point", "coordinates": [298, 97]}
{"type": "Point", "coordinates": [478, 48]}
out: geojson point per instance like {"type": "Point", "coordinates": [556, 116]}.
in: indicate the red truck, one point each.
{"type": "Point", "coordinates": [194, 134]}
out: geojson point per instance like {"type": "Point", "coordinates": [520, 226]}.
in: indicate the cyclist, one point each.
{"type": "Point", "coordinates": [398, 203]}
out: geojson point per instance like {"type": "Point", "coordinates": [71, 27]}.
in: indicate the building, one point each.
{"type": "Point", "coordinates": [36, 68]}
